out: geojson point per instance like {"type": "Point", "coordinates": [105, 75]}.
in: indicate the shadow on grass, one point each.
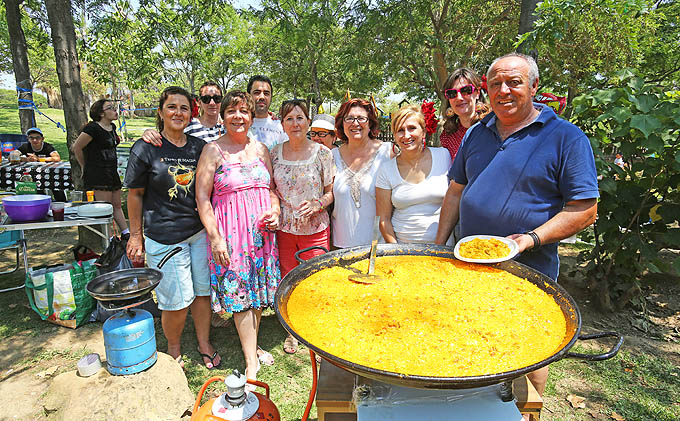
{"type": "Point", "coordinates": [637, 386]}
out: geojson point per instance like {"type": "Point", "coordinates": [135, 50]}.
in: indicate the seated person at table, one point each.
{"type": "Point", "coordinates": [37, 148]}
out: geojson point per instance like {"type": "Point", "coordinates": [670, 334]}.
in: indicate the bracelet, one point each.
{"type": "Point", "coordinates": [320, 204]}
{"type": "Point", "coordinates": [534, 236]}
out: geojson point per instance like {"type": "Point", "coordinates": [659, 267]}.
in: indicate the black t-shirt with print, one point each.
{"type": "Point", "coordinates": [45, 152]}
{"type": "Point", "coordinates": [167, 173]}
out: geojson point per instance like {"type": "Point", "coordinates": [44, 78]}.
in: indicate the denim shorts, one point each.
{"type": "Point", "coordinates": [185, 275]}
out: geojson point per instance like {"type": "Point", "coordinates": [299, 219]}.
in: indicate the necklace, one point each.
{"type": "Point", "coordinates": [354, 179]}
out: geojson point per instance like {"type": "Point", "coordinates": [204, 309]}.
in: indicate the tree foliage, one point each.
{"type": "Point", "coordinates": [422, 41]}
{"type": "Point", "coordinates": [581, 43]}
{"type": "Point", "coordinates": [639, 205]}
{"type": "Point", "coordinates": [309, 48]}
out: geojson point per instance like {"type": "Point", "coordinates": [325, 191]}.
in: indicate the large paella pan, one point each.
{"type": "Point", "coordinates": [347, 257]}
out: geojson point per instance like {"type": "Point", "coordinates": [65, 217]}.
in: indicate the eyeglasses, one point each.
{"type": "Point", "coordinates": [361, 119]}
{"type": "Point", "coordinates": [206, 98]}
{"type": "Point", "coordinates": [109, 108]}
{"type": "Point", "coordinates": [320, 134]}
{"type": "Point", "coordinates": [464, 91]}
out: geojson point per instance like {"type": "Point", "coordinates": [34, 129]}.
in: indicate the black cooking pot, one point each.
{"type": "Point", "coordinates": [128, 284]}
{"type": "Point", "coordinates": [346, 257]}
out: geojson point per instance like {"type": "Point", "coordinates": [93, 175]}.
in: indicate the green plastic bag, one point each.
{"type": "Point", "coordinates": [59, 292]}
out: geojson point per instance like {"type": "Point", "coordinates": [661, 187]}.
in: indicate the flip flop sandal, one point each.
{"type": "Point", "coordinates": [212, 359]}
{"type": "Point", "coordinates": [290, 345]}
{"type": "Point", "coordinates": [265, 357]}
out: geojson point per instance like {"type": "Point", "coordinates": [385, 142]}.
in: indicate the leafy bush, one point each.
{"type": "Point", "coordinates": [639, 205]}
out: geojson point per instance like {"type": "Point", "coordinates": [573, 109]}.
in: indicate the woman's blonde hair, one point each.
{"type": "Point", "coordinates": [399, 117]}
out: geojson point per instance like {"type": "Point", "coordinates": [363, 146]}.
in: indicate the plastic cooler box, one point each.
{"type": "Point", "coordinates": [11, 142]}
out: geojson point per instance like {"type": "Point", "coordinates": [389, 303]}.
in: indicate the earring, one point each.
{"type": "Point", "coordinates": [396, 149]}
{"type": "Point", "coordinates": [449, 112]}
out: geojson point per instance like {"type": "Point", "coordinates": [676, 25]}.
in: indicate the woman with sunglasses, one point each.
{"type": "Point", "coordinates": [410, 187]}
{"type": "Point", "coordinates": [207, 126]}
{"type": "Point", "coordinates": [357, 164]}
{"type": "Point", "coordinates": [303, 174]}
{"type": "Point", "coordinates": [466, 106]}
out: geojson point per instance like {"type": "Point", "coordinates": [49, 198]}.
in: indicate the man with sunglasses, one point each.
{"type": "Point", "coordinates": [207, 126]}
{"type": "Point", "coordinates": [264, 128]}
{"type": "Point", "coordinates": [523, 173]}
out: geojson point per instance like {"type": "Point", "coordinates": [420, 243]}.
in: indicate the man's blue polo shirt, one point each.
{"type": "Point", "coordinates": [516, 185]}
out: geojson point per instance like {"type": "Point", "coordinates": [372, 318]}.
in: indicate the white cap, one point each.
{"type": "Point", "coordinates": [323, 121]}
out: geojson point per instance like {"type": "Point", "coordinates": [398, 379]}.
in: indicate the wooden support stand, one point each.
{"type": "Point", "coordinates": [334, 395]}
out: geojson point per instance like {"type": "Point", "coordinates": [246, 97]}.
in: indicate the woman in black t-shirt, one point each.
{"type": "Point", "coordinates": [95, 150]}
{"type": "Point", "coordinates": [162, 201]}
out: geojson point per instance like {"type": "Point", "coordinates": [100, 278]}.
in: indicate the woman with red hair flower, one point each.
{"type": "Point", "coordinates": [410, 187]}
{"type": "Point", "coordinates": [466, 106]}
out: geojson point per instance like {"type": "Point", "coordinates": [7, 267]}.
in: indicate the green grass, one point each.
{"type": "Point", "coordinates": [635, 385]}
{"type": "Point", "coordinates": [9, 123]}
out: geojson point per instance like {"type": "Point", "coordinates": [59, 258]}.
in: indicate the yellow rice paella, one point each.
{"type": "Point", "coordinates": [430, 316]}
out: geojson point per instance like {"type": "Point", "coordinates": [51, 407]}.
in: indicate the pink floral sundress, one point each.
{"type": "Point", "coordinates": [240, 196]}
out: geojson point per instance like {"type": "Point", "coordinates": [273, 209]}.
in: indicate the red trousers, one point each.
{"type": "Point", "coordinates": [289, 244]}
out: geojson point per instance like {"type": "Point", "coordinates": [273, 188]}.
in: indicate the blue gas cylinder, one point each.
{"type": "Point", "coordinates": [130, 342]}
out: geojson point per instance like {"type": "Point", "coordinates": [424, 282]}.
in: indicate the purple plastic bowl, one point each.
{"type": "Point", "coordinates": [27, 207]}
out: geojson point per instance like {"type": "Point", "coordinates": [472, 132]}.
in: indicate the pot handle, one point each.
{"type": "Point", "coordinates": [298, 253]}
{"type": "Point", "coordinates": [167, 257]}
{"type": "Point", "coordinates": [598, 357]}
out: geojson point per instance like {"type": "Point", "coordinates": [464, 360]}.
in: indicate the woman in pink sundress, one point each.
{"type": "Point", "coordinates": [240, 212]}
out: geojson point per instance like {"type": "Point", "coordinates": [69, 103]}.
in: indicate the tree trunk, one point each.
{"type": "Point", "coordinates": [68, 71]}
{"type": "Point", "coordinates": [527, 17]}
{"type": "Point", "coordinates": [22, 73]}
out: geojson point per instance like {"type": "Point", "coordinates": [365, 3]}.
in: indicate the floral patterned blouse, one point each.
{"type": "Point", "coordinates": [304, 180]}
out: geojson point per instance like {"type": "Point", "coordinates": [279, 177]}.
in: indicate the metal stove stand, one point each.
{"type": "Point", "coordinates": [334, 395]}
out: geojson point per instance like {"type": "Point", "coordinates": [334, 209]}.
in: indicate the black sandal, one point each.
{"type": "Point", "coordinates": [212, 359]}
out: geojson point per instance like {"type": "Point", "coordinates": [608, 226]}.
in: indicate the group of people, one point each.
{"type": "Point", "coordinates": [241, 190]}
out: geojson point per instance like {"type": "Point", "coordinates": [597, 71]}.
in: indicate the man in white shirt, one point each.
{"type": "Point", "coordinates": [264, 128]}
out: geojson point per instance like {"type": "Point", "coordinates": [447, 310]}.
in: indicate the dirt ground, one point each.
{"type": "Point", "coordinates": [652, 328]}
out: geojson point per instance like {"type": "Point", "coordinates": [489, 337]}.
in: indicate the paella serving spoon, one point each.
{"type": "Point", "coordinates": [370, 277]}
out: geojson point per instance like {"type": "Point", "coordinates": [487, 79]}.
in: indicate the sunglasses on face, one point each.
{"type": "Point", "coordinates": [206, 98]}
{"type": "Point", "coordinates": [464, 91]}
{"type": "Point", "coordinates": [320, 134]}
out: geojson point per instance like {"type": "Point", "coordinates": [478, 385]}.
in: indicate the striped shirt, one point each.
{"type": "Point", "coordinates": [208, 134]}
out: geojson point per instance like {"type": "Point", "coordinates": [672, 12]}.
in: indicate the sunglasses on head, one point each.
{"type": "Point", "coordinates": [206, 98]}
{"type": "Point", "coordinates": [464, 90]}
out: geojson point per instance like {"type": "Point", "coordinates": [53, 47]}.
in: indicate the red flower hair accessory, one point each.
{"type": "Point", "coordinates": [484, 84]}
{"type": "Point", "coordinates": [194, 108]}
{"type": "Point", "coordinates": [431, 121]}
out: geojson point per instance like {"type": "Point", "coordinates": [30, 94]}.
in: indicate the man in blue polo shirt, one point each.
{"type": "Point", "coordinates": [523, 173]}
